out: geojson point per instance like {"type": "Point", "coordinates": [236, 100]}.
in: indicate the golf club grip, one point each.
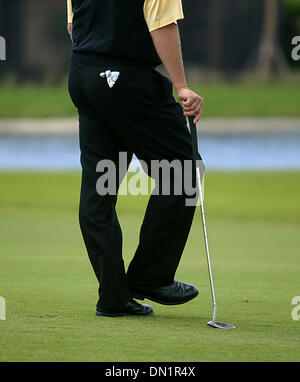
{"type": "Point", "coordinates": [193, 130]}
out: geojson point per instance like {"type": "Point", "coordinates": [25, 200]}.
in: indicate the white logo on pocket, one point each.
{"type": "Point", "coordinates": [112, 77]}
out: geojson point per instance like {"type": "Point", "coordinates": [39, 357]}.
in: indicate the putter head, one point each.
{"type": "Point", "coordinates": [220, 325]}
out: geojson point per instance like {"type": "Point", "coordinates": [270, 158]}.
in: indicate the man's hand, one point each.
{"type": "Point", "coordinates": [70, 27]}
{"type": "Point", "coordinates": [191, 102]}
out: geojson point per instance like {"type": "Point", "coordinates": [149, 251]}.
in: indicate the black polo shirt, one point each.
{"type": "Point", "coordinates": [114, 29]}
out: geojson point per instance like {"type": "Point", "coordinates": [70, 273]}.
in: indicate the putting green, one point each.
{"type": "Point", "coordinates": [253, 226]}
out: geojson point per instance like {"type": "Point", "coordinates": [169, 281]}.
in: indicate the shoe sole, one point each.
{"type": "Point", "coordinates": [100, 314]}
{"type": "Point", "coordinates": [142, 297]}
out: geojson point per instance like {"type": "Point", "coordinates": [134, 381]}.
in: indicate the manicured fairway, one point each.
{"type": "Point", "coordinates": [221, 100]}
{"type": "Point", "coordinates": [50, 290]}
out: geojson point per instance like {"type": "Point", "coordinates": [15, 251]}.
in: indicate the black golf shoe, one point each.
{"type": "Point", "coordinates": [131, 308]}
{"type": "Point", "coordinates": [174, 294]}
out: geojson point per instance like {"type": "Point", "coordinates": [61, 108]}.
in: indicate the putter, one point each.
{"type": "Point", "coordinates": [200, 165]}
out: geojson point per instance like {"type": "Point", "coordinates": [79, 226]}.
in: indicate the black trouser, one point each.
{"type": "Point", "coordinates": [138, 115]}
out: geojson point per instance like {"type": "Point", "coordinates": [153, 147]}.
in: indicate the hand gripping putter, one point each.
{"type": "Point", "coordinates": [199, 174]}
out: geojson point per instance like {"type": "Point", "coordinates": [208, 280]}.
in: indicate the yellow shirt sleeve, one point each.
{"type": "Point", "coordinates": [160, 13]}
{"type": "Point", "coordinates": [70, 13]}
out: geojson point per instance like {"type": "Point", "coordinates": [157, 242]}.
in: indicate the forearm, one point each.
{"type": "Point", "coordinates": [70, 30]}
{"type": "Point", "coordinates": [168, 47]}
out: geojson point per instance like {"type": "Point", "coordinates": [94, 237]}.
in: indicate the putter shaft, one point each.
{"type": "Point", "coordinates": [213, 323]}
{"type": "Point", "coordinates": [206, 244]}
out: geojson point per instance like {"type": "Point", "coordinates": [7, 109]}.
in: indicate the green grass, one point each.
{"type": "Point", "coordinates": [50, 290]}
{"type": "Point", "coordinates": [250, 101]}
{"type": "Point", "coordinates": [35, 102]}
{"type": "Point", "coordinates": [220, 101]}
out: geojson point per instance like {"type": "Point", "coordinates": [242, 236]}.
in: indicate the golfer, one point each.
{"type": "Point", "coordinates": [126, 106]}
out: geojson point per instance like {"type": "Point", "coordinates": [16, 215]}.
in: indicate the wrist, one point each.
{"type": "Point", "coordinates": [181, 87]}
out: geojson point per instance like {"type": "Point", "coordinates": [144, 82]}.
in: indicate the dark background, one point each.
{"type": "Point", "coordinates": [218, 35]}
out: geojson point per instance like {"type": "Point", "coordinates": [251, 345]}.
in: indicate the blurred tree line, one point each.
{"type": "Point", "coordinates": [227, 36]}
